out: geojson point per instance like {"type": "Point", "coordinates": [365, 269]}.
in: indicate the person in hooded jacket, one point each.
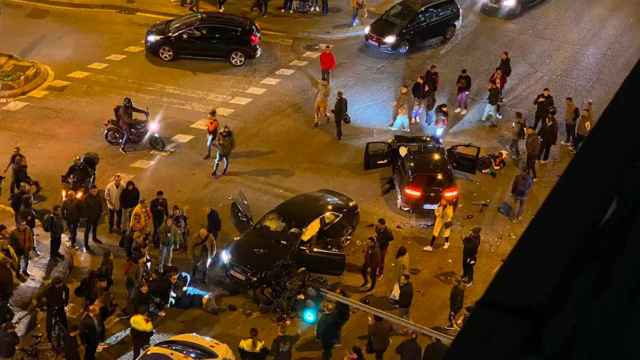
{"type": "Point", "coordinates": [214, 225]}
{"type": "Point", "coordinates": [129, 198]}
{"type": "Point", "coordinates": [549, 135]}
{"type": "Point", "coordinates": [71, 216]}
{"type": "Point", "coordinates": [419, 93]}
{"type": "Point", "coordinates": [225, 145]}
{"type": "Point", "coordinates": [505, 64]}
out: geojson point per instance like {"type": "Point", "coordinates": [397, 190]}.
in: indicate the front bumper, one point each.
{"type": "Point", "coordinates": [379, 45]}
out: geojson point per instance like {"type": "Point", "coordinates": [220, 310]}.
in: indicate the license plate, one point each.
{"type": "Point", "coordinates": [237, 275]}
{"type": "Point", "coordinates": [429, 206]}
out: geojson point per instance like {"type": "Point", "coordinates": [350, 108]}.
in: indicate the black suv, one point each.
{"type": "Point", "coordinates": [421, 169]}
{"type": "Point", "coordinates": [205, 35]}
{"type": "Point", "coordinates": [411, 22]}
{"type": "Point", "coordinates": [507, 8]}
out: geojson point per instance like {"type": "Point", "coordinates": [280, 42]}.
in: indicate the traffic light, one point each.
{"type": "Point", "coordinates": [310, 315]}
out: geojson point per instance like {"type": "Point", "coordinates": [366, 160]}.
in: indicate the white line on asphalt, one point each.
{"type": "Point", "coordinates": [240, 100]}
{"type": "Point", "coordinates": [116, 57]}
{"type": "Point", "coordinates": [298, 63]}
{"type": "Point", "coordinates": [58, 83]}
{"type": "Point", "coordinates": [154, 15]}
{"type": "Point", "coordinates": [142, 164]}
{"type": "Point", "coordinates": [182, 138]}
{"type": "Point", "coordinates": [97, 65]}
{"type": "Point", "coordinates": [133, 49]}
{"type": "Point", "coordinates": [38, 93]}
{"type": "Point", "coordinates": [277, 40]}
{"type": "Point", "coordinates": [255, 90]}
{"type": "Point", "coordinates": [200, 124]}
{"type": "Point", "coordinates": [224, 111]}
{"type": "Point", "coordinates": [286, 72]}
{"type": "Point", "coordinates": [311, 54]}
{"type": "Point", "coordinates": [270, 81]}
{"type": "Point", "coordinates": [78, 74]}
{"type": "Point", "coordinates": [15, 105]}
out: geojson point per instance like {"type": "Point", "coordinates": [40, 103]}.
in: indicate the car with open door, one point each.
{"type": "Point", "coordinates": [507, 8]}
{"type": "Point", "coordinates": [309, 230]}
{"type": "Point", "coordinates": [422, 170]}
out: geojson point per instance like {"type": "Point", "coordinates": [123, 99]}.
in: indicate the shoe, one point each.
{"type": "Point", "coordinates": [544, 161]}
{"type": "Point", "coordinates": [572, 149]}
{"type": "Point", "coordinates": [463, 112]}
{"type": "Point", "coordinates": [446, 245]}
{"type": "Point", "coordinates": [457, 110]}
{"type": "Point", "coordinates": [427, 248]}
{"type": "Point", "coordinates": [26, 273]}
{"type": "Point", "coordinates": [222, 9]}
{"type": "Point", "coordinates": [290, 11]}
{"type": "Point", "coordinates": [499, 116]}
{"type": "Point", "coordinates": [206, 157]}
{"type": "Point", "coordinates": [364, 284]}
{"type": "Point", "coordinates": [88, 249]}
{"type": "Point", "coordinates": [468, 284]}
{"type": "Point", "coordinates": [381, 276]}
{"type": "Point", "coordinates": [315, 125]}
{"type": "Point", "coordinates": [282, 10]}
{"type": "Point", "coordinates": [213, 174]}
{"type": "Point", "coordinates": [123, 151]}
{"type": "Point", "coordinates": [97, 241]}
{"type": "Point", "coordinates": [535, 179]}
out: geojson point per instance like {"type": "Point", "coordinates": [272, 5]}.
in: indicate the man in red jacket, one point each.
{"type": "Point", "coordinates": [327, 62]}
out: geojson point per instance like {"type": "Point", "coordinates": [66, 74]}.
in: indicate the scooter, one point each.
{"type": "Point", "coordinates": [114, 134]}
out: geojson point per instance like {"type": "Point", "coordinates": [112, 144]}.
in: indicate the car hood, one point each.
{"type": "Point", "coordinates": [160, 28]}
{"type": "Point", "coordinates": [382, 28]}
{"type": "Point", "coordinates": [255, 252]}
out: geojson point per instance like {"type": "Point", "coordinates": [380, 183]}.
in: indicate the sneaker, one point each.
{"type": "Point", "coordinates": [469, 284]}
{"type": "Point", "coordinates": [213, 174]}
{"type": "Point", "coordinates": [290, 11]}
{"type": "Point", "coordinates": [450, 327]}
{"type": "Point", "coordinates": [464, 111]}
{"type": "Point", "coordinates": [565, 143]}
{"type": "Point", "coordinates": [544, 161]}
{"type": "Point", "coordinates": [499, 116]}
{"type": "Point", "coordinates": [222, 9]}
{"type": "Point", "coordinates": [446, 245]}
{"type": "Point", "coordinates": [427, 248]}
{"type": "Point", "coordinates": [206, 157]}
{"type": "Point", "coordinates": [457, 110]}
{"type": "Point", "coordinates": [282, 10]}
{"type": "Point", "coordinates": [123, 151]}
{"type": "Point", "coordinates": [97, 241]}
{"type": "Point", "coordinates": [381, 276]}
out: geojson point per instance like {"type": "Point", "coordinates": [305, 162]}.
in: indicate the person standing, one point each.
{"type": "Point", "coordinates": [71, 348]}
{"type": "Point", "coordinates": [419, 93]}
{"type": "Point", "coordinates": [221, 5]}
{"type": "Point", "coordinates": [112, 195]}
{"type": "Point", "coordinates": [571, 116]}
{"type": "Point", "coordinates": [252, 348]}
{"type": "Point", "coordinates": [432, 79]}
{"type": "Point", "coordinates": [500, 81]}
{"type": "Point", "coordinates": [212, 131]}
{"type": "Point", "coordinates": [264, 7]}
{"type": "Point", "coordinates": [582, 130]}
{"type": "Point", "coordinates": [402, 267]}
{"type": "Point", "coordinates": [358, 7]}
{"type": "Point", "coordinates": [402, 100]}
{"type": "Point", "coordinates": [429, 105]}
{"type": "Point", "coordinates": [282, 346]}
{"type": "Point", "coordinates": [519, 189]}
{"type": "Point", "coordinates": [384, 237]}
{"type": "Point", "coordinates": [141, 331]}
{"type": "Point", "coordinates": [54, 224]}
{"type": "Point", "coordinates": [456, 301]}
{"type": "Point", "coordinates": [225, 144]}
{"type": "Point", "coordinates": [129, 199]}
{"type": "Point", "coordinates": [71, 215]}
{"type": "Point", "coordinates": [378, 336]}
{"type": "Point", "coordinates": [92, 211]}
{"type": "Point", "coordinates": [410, 349]}
{"type": "Point", "coordinates": [327, 63]}
{"type": "Point", "coordinates": [203, 248]}
{"type": "Point", "coordinates": [505, 64]}
{"type": "Point", "coordinates": [406, 296]}
{"type": "Point", "coordinates": [549, 135]}
{"type": "Point", "coordinates": [17, 163]}
{"type": "Point", "coordinates": [322, 103]}
{"type": "Point", "coordinates": [159, 212]}
{"type": "Point", "coordinates": [470, 243]}
{"type": "Point", "coordinates": [463, 85]}
{"type": "Point", "coordinates": [325, 7]}
{"type": "Point", "coordinates": [518, 134]}
{"type": "Point", "coordinates": [543, 103]}
{"type": "Point", "coordinates": [443, 223]}
{"type": "Point", "coordinates": [371, 263]}
{"type": "Point", "coordinates": [340, 111]}
{"type": "Point", "coordinates": [328, 330]}
{"type": "Point", "coordinates": [91, 331]}
{"type": "Point", "coordinates": [21, 239]}
{"type": "Point", "coordinates": [141, 220]}
{"type": "Point", "coordinates": [493, 98]}
{"type": "Point", "coordinates": [169, 238]}
{"type": "Point", "coordinates": [214, 225]}
{"type": "Point", "coordinates": [533, 146]}
{"type": "Point", "coordinates": [9, 340]}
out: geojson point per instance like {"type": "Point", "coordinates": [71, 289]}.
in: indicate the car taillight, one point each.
{"type": "Point", "coordinates": [254, 39]}
{"type": "Point", "coordinates": [412, 191]}
{"type": "Point", "coordinates": [450, 193]}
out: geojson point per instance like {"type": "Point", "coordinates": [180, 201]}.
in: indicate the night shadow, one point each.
{"type": "Point", "coordinates": [447, 277]}
{"type": "Point", "coordinates": [36, 13]}
{"type": "Point", "coordinates": [308, 344]}
{"type": "Point", "coordinates": [252, 153]}
{"type": "Point", "coordinates": [353, 268]}
{"type": "Point", "coordinates": [266, 173]}
{"type": "Point", "coordinates": [30, 47]}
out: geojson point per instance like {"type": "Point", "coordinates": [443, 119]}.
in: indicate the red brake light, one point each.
{"type": "Point", "coordinates": [412, 191]}
{"type": "Point", "coordinates": [254, 39]}
{"type": "Point", "coordinates": [450, 193]}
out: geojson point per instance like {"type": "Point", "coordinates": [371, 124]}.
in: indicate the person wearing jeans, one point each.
{"type": "Point", "coordinates": [212, 132]}
{"type": "Point", "coordinates": [169, 236]}
{"type": "Point", "coordinates": [112, 196]}
{"type": "Point", "coordinates": [470, 244]}
{"type": "Point", "coordinates": [519, 189]}
{"type": "Point", "coordinates": [129, 199]}
{"type": "Point", "coordinates": [464, 86]}
{"type": "Point", "coordinates": [92, 211]}
{"type": "Point", "coordinates": [491, 109]}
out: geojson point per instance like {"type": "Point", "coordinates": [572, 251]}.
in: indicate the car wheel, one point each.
{"type": "Point", "coordinates": [403, 48]}
{"type": "Point", "coordinates": [166, 53]}
{"type": "Point", "coordinates": [346, 236]}
{"type": "Point", "coordinates": [113, 135]}
{"type": "Point", "coordinates": [450, 33]}
{"type": "Point", "coordinates": [237, 58]}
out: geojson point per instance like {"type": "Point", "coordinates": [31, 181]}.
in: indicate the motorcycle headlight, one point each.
{"type": "Point", "coordinates": [367, 29]}
{"type": "Point", "coordinates": [390, 39]}
{"type": "Point", "coordinates": [154, 127]}
{"type": "Point", "coordinates": [225, 256]}
{"type": "Point", "coordinates": [509, 3]}
{"type": "Point", "coordinates": [152, 38]}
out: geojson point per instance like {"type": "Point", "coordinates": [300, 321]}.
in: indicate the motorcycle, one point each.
{"type": "Point", "coordinates": [114, 134]}
{"type": "Point", "coordinates": [81, 175]}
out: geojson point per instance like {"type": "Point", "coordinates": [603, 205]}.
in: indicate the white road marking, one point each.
{"type": "Point", "coordinates": [38, 93]}
{"type": "Point", "coordinates": [182, 138]}
{"type": "Point", "coordinates": [98, 66]}
{"type": "Point", "coordinates": [142, 164]}
{"type": "Point", "coordinates": [278, 40]}
{"type": "Point", "coordinates": [15, 106]}
{"type": "Point", "coordinates": [240, 100]}
{"type": "Point", "coordinates": [115, 57]}
{"type": "Point", "coordinates": [286, 72]}
{"type": "Point", "coordinates": [78, 74]}
{"type": "Point", "coordinates": [161, 153]}
{"type": "Point", "coordinates": [255, 90]}
{"type": "Point", "coordinates": [298, 63]}
{"type": "Point", "coordinates": [58, 83]}
{"type": "Point", "coordinates": [311, 54]}
{"type": "Point", "coordinates": [270, 81]}
{"type": "Point", "coordinates": [224, 111]}
{"type": "Point", "coordinates": [200, 124]}
{"type": "Point", "coordinates": [133, 49]}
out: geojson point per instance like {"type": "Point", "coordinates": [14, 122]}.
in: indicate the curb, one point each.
{"type": "Point", "coordinates": [42, 76]}
{"type": "Point", "coordinates": [330, 35]}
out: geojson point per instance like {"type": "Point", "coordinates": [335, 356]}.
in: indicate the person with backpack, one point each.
{"type": "Point", "coordinates": [517, 135]}
{"type": "Point", "coordinates": [340, 113]}
{"type": "Point", "coordinates": [519, 189]}
{"type": "Point", "coordinates": [463, 85]}
{"type": "Point", "coordinates": [54, 225]}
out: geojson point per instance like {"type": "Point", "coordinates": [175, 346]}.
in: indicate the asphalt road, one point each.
{"type": "Point", "coordinates": [583, 51]}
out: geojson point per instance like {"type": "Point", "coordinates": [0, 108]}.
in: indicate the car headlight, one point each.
{"type": "Point", "coordinates": [390, 39]}
{"type": "Point", "coordinates": [153, 37]}
{"type": "Point", "coordinates": [154, 127]}
{"type": "Point", "coordinates": [367, 29]}
{"type": "Point", "coordinates": [225, 256]}
{"type": "Point", "coordinates": [509, 3]}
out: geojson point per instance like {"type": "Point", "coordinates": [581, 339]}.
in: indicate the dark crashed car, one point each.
{"type": "Point", "coordinates": [421, 169]}
{"type": "Point", "coordinates": [507, 8]}
{"type": "Point", "coordinates": [309, 230]}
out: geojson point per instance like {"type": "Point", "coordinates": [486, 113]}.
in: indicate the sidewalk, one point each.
{"type": "Point", "coordinates": [336, 25]}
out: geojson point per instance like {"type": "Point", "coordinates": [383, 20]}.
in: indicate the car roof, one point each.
{"type": "Point", "coordinates": [197, 341]}
{"type": "Point", "coordinates": [419, 4]}
{"type": "Point", "coordinates": [301, 209]}
{"type": "Point", "coordinates": [217, 18]}
{"type": "Point", "coordinates": [417, 139]}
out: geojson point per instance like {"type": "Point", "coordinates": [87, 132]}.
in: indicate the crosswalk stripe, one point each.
{"type": "Point", "coordinates": [255, 90]}
{"type": "Point", "coordinates": [240, 100]}
{"type": "Point", "coordinates": [311, 54]}
{"type": "Point", "coordinates": [97, 65]}
{"type": "Point", "coordinates": [142, 164]}
{"type": "Point", "coordinates": [270, 81]}
{"type": "Point", "coordinates": [286, 72]}
{"type": "Point", "coordinates": [200, 124]}
{"type": "Point", "coordinates": [224, 111]}
{"type": "Point", "coordinates": [115, 57]}
{"type": "Point", "coordinates": [78, 74]}
{"type": "Point", "coordinates": [298, 63]}
{"type": "Point", "coordinates": [182, 138]}
{"type": "Point", "coordinates": [38, 93]}
{"type": "Point", "coordinates": [58, 84]}
{"type": "Point", "coordinates": [133, 49]}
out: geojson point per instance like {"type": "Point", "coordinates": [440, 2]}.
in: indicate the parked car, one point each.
{"type": "Point", "coordinates": [188, 346]}
{"type": "Point", "coordinates": [421, 169]}
{"type": "Point", "coordinates": [205, 35]}
{"type": "Point", "coordinates": [309, 230]}
{"type": "Point", "coordinates": [507, 8]}
{"type": "Point", "coordinates": [410, 22]}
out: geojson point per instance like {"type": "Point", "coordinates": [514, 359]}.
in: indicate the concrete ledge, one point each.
{"type": "Point", "coordinates": [33, 78]}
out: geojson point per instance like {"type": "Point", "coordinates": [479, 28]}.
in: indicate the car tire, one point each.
{"type": "Point", "coordinates": [404, 47]}
{"type": "Point", "coordinates": [237, 58]}
{"type": "Point", "coordinates": [450, 33]}
{"type": "Point", "coordinates": [166, 53]}
{"type": "Point", "coordinates": [113, 135]}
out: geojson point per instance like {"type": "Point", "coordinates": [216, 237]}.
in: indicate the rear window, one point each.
{"type": "Point", "coordinates": [183, 22]}
{"type": "Point", "coordinates": [400, 14]}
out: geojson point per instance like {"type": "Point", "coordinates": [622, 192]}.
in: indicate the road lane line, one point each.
{"type": "Point", "coordinates": [270, 81]}
{"type": "Point", "coordinates": [240, 100]}
{"type": "Point", "coordinates": [255, 90]}
{"type": "Point", "coordinates": [116, 57]}
{"type": "Point", "coordinates": [224, 111]}
{"type": "Point", "coordinates": [78, 74]}
{"type": "Point", "coordinates": [142, 164]}
{"type": "Point", "coordinates": [38, 93]}
{"type": "Point", "coordinates": [133, 49]}
{"type": "Point", "coordinates": [200, 124]}
{"type": "Point", "coordinates": [59, 84]}
{"type": "Point", "coordinates": [285, 72]}
{"type": "Point", "coordinates": [15, 105]}
{"type": "Point", "coordinates": [97, 66]}
{"type": "Point", "coordinates": [298, 63]}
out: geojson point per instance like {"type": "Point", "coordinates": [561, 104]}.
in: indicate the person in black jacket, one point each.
{"type": "Point", "coordinates": [92, 211]}
{"type": "Point", "coordinates": [328, 331]}
{"type": "Point", "coordinates": [56, 298]}
{"type": "Point", "coordinates": [71, 347]}
{"type": "Point", "coordinates": [543, 103]}
{"type": "Point", "coordinates": [71, 215]}
{"type": "Point", "coordinates": [456, 301]}
{"type": "Point", "coordinates": [91, 331]}
{"type": "Point", "coordinates": [384, 236]}
{"type": "Point", "coordinates": [419, 92]}
{"type": "Point", "coordinates": [214, 225]}
{"type": "Point", "coordinates": [54, 224]}
{"type": "Point", "coordinates": [492, 104]}
{"type": "Point", "coordinates": [8, 340]}
{"type": "Point", "coordinates": [533, 146]}
{"type": "Point", "coordinates": [282, 346]}
{"type": "Point", "coordinates": [406, 296]}
{"type": "Point", "coordinates": [505, 64]}
{"type": "Point", "coordinates": [159, 210]}
{"type": "Point", "coordinates": [340, 110]}
{"type": "Point", "coordinates": [470, 244]}
{"type": "Point", "coordinates": [549, 135]}
{"type": "Point", "coordinates": [409, 349]}
{"type": "Point", "coordinates": [432, 79]}
{"type": "Point", "coordinates": [463, 85]}
{"type": "Point", "coordinates": [129, 198]}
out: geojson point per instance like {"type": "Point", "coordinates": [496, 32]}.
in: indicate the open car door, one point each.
{"type": "Point", "coordinates": [377, 155]}
{"type": "Point", "coordinates": [464, 157]}
{"type": "Point", "coordinates": [240, 212]}
{"type": "Point", "coordinates": [315, 256]}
